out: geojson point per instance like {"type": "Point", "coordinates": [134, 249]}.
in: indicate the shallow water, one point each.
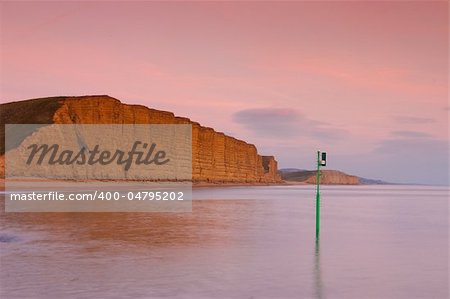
{"type": "Point", "coordinates": [243, 242]}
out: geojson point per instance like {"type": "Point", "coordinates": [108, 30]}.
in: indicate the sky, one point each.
{"type": "Point", "coordinates": [367, 82]}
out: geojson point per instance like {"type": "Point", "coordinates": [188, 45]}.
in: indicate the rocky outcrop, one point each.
{"type": "Point", "coordinates": [327, 177]}
{"type": "Point", "coordinates": [334, 177]}
{"type": "Point", "coordinates": [216, 157]}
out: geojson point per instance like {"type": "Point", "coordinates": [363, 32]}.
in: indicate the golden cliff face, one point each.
{"type": "Point", "coordinates": [215, 156]}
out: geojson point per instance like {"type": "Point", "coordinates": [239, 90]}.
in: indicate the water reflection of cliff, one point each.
{"type": "Point", "coordinates": [207, 225]}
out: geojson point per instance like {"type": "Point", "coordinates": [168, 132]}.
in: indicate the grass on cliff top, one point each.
{"type": "Point", "coordinates": [35, 111]}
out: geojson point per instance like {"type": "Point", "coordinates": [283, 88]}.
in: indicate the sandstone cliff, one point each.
{"type": "Point", "coordinates": [327, 177]}
{"type": "Point", "coordinates": [216, 157]}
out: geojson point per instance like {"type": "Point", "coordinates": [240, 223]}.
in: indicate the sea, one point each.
{"type": "Point", "coordinates": [375, 241]}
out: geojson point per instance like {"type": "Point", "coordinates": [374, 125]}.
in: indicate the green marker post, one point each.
{"type": "Point", "coordinates": [318, 196]}
{"type": "Point", "coordinates": [321, 161]}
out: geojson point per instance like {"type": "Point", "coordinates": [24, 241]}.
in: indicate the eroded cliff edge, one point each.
{"type": "Point", "coordinates": [216, 157]}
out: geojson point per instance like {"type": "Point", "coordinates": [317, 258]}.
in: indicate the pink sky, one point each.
{"type": "Point", "coordinates": [366, 81]}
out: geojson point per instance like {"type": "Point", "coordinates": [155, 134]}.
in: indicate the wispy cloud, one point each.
{"type": "Point", "coordinates": [404, 143]}
{"type": "Point", "coordinates": [410, 134]}
{"type": "Point", "coordinates": [404, 119]}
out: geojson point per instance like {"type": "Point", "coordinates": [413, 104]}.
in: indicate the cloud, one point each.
{"type": "Point", "coordinates": [269, 122]}
{"type": "Point", "coordinates": [410, 134]}
{"type": "Point", "coordinates": [414, 120]}
{"type": "Point", "coordinates": [284, 123]}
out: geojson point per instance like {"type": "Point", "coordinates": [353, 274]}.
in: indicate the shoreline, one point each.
{"type": "Point", "coordinates": [242, 184]}
{"type": "Point", "coordinates": [234, 184]}
{"type": "Point", "coordinates": [194, 184]}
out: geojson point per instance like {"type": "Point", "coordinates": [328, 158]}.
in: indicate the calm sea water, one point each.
{"type": "Point", "coordinates": [244, 242]}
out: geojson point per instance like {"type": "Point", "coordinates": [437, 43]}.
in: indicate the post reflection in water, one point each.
{"type": "Point", "coordinates": [318, 286]}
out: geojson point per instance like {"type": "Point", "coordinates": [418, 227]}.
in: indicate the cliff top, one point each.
{"type": "Point", "coordinates": [43, 111]}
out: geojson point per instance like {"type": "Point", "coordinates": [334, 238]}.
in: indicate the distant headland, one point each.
{"type": "Point", "coordinates": [327, 177]}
